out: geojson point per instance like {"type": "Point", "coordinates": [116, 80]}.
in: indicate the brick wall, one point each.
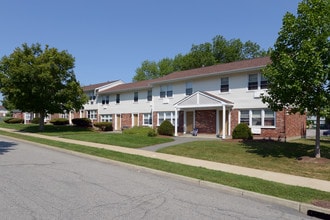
{"type": "Point", "coordinates": [205, 121]}
{"type": "Point", "coordinates": [126, 120]}
{"type": "Point", "coordinates": [287, 126]}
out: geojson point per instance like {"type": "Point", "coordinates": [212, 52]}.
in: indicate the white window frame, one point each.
{"type": "Point", "coordinates": [106, 118]}
{"type": "Point", "coordinates": [92, 114]}
{"type": "Point", "coordinates": [189, 88]}
{"type": "Point", "coordinates": [148, 117]}
{"type": "Point", "coordinates": [166, 91]}
{"type": "Point", "coordinates": [162, 116]}
{"type": "Point", "coordinates": [263, 117]}
{"type": "Point", "coordinates": [222, 81]}
{"type": "Point", "coordinates": [105, 100]}
{"type": "Point", "coordinates": [261, 82]}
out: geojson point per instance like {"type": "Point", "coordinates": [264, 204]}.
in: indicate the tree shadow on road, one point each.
{"type": "Point", "coordinates": [6, 147]}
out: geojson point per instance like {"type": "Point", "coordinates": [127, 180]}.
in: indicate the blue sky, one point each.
{"type": "Point", "coordinates": [110, 39]}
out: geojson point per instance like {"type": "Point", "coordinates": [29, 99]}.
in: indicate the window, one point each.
{"type": "Point", "coordinates": [106, 118]}
{"type": "Point", "coordinates": [149, 95]}
{"type": "Point", "coordinates": [117, 98]}
{"type": "Point", "coordinates": [92, 97]}
{"type": "Point", "coordinates": [147, 119]}
{"type": "Point", "coordinates": [162, 116]}
{"type": "Point", "coordinates": [258, 117]}
{"type": "Point", "coordinates": [263, 82]}
{"type": "Point", "coordinates": [269, 119]}
{"type": "Point", "coordinates": [169, 91]}
{"type": "Point", "coordinates": [189, 89]}
{"type": "Point", "coordinates": [224, 87]}
{"type": "Point", "coordinates": [244, 117]}
{"type": "Point", "coordinates": [105, 100]}
{"type": "Point", "coordinates": [91, 114]}
{"type": "Point", "coordinates": [162, 91]}
{"type": "Point", "coordinates": [136, 96]}
{"type": "Point", "coordinates": [253, 81]}
{"type": "Point", "coordinates": [166, 91]}
{"type": "Point", "coordinates": [64, 115]}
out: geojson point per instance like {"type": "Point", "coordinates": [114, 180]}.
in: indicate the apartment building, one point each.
{"type": "Point", "coordinates": [213, 99]}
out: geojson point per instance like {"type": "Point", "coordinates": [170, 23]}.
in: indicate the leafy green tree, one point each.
{"type": "Point", "coordinates": [165, 66]}
{"type": "Point", "coordinates": [299, 76]}
{"type": "Point", "coordinates": [148, 70]}
{"type": "Point", "coordinates": [206, 54]}
{"type": "Point", "coordinates": [33, 79]}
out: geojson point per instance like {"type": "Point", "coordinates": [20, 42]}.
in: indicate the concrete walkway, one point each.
{"type": "Point", "coordinates": [149, 152]}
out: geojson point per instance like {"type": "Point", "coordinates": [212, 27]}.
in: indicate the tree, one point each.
{"type": "Point", "coordinates": [298, 76]}
{"type": "Point", "coordinates": [148, 70]}
{"type": "Point", "coordinates": [33, 79]}
{"type": "Point", "coordinates": [206, 54]}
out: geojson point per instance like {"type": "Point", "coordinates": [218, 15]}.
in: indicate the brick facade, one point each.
{"type": "Point", "coordinates": [288, 126]}
{"type": "Point", "coordinates": [205, 121]}
{"type": "Point", "coordinates": [126, 120]}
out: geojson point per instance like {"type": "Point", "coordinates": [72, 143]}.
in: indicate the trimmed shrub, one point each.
{"type": "Point", "coordinates": [59, 121]}
{"type": "Point", "coordinates": [35, 120]}
{"type": "Point", "coordinates": [242, 131]}
{"type": "Point", "coordinates": [166, 128]}
{"type": "Point", "coordinates": [14, 121]}
{"type": "Point", "coordinates": [82, 122]}
{"type": "Point", "coordinates": [141, 130]}
{"type": "Point", "coordinates": [104, 126]}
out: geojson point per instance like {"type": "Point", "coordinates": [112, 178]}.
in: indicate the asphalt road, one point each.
{"type": "Point", "coordinates": [39, 183]}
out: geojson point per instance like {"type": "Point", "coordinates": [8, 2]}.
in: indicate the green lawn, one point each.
{"type": "Point", "coordinates": [265, 155]}
{"type": "Point", "coordinates": [89, 135]}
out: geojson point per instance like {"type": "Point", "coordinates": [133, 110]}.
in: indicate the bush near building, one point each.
{"type": "Point", "coordinates": [166, 128]}
{"type": "Point", "coordinates": [242, 131]}
{"type": "Point", "coordinates": [82, 122]}
{"type": "Point", "coordinates": [59, 121]}
{"type": "Point", "coordinates": [104, 126]}
{"type": "Point", "coordinates": [14, 121]}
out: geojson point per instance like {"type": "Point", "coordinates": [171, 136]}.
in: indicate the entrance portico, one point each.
{"type": "Point", "coordinates": [205, 111]}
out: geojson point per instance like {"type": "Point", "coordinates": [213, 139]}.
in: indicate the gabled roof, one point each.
{"type": "Point", "coordinates": [202, 100]}
{"type": "Point", "coordinates": [225, 68]}
{"type": "Point", "coordinates": [95, 86]}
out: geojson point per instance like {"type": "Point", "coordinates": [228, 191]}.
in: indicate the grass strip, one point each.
{"type": "Point", "coordinates": [294, 193]}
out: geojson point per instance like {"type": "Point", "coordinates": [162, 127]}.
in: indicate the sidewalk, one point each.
{"type": "Point", "coordinates": [149, 152]}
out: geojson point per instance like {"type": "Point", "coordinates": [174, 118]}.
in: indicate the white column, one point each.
{"type": "Point", "coordinates": [184, 122]}
{"type": "Point", "coordinates": [70, 118]}
{"type": "Point", "coordinates": [223, 121]}
{"type": "Point", "coordinates": [229, 123]}
{"type": "Point", "coordinates": [176, 123]}
{"type": "Point", "coordinates": [217, 130]}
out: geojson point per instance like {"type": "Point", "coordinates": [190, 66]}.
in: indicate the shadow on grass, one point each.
{"type": "Point", "coordinates": [268, 148]}
{"type": "Point", "coordinates": [54, 129]}
{"type": "Point", "coordinates": [6, 146]}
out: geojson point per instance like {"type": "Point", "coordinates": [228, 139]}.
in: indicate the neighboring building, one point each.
{"type": "Point", "coordinates": [213, 99]}
{"type": "Point", "coordinates": [3, 111]}
{"type": "Point", "coordinates": [97, 104]}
